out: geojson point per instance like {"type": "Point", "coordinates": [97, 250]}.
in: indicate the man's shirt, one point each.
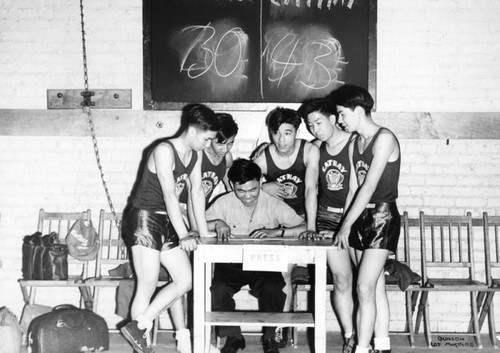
{"type": "Point", "coordinates": [269, 213]}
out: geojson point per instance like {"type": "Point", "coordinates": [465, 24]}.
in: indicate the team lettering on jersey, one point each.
{"type": "Point", "coordinates": [209, 180]}
{"type": "Point", "coordinates": [180, 184]}
{"type": "Point", "coordinates": [289, 181]}
{"type": "Point", "coordinates": [334, 174]}
{"type": "Point", "coordinates": [361, 169]}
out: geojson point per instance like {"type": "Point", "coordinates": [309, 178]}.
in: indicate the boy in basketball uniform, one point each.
{"type": "Point", "coordinates": [153, 226]}
{"type": "Point", "coordinates": [371, 225]}
{"type": "Point", "coordinates": [333, 187]}
{"type": "Point", "coordinates": [290, 167]}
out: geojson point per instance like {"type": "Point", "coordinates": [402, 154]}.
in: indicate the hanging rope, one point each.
{"type": "Point", "coordinates": [86, 104]}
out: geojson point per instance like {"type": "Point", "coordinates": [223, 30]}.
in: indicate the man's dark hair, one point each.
{"type": "Point", "coordinates": [281, 115]}
{"type": "Point", "coordinates": [351, 96]}
{"type": "Point", "coordinates": [199, 116]}
{"type": "Point", "coordinates": [228, 127]}
{"type": "Point", "coordinates": [243, 171]}
{"type": "Point", "coordinates": [321, 105]}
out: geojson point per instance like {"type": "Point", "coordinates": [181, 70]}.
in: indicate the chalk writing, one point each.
{"type": "Point", "coordinates": [304, 59]}
{"type": "Point", "coordinates": [214, 53]}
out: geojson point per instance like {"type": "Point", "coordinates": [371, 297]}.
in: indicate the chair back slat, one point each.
{"type": "Point", "coordinates": [113, 250]}
{"type": "Point", "coordinates": [491, 230]}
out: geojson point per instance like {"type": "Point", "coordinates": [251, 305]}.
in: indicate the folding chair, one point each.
{"type": "Point", "coordinates": [491, 230]}
{"type": "Point", "coordinates": [411, 293]}
{"type": "Point", "coordinates": [113, 252]}
{"type": "Point", "coordinates": [61, 223]}
{"type": "Point", "coordinates": [447, 255]}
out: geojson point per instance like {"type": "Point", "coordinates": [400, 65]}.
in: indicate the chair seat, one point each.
{"type": "Point", "coordinates": [75, 281]}
{"type": "Point", "coordinates": [307, 287]}
{"type": "Point", "coordinates": [455, 284]}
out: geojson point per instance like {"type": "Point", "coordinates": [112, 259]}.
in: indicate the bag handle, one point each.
{"type": "Point", "coordinates": [64, 307]}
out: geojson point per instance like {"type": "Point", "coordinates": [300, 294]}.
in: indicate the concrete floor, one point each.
{"type": "Point", "coordinates": [399, 343]}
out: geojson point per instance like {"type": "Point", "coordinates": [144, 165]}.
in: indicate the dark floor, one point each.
{"type": "Point", "coordinates": [399, 343]}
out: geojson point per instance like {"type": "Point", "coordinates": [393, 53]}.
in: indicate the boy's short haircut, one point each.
{"type": "Point", "coordinates": [199, 116]}
{"type": "Point", "coordinates": [351, 96]}
{"type": "Point", "coordinates": [228, 127]}
{"type": "Point", "coordinates": [243, 171]}
{"type": "Point", "coordinates": [320, 105]}
{"type": "Point", "coordinates": [279, 116]}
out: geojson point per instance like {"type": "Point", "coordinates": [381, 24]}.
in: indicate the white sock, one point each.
{"type": "Point", "coordinates": [183, 338]}
{"type": "Point", "coordinates": [382, 343]}
{"type": "Point", "coordinates": [143, 323]}
{"type": "Point", "coordinates": [362, 349]}
{"type": "Point", "coordinates": [348, 334]}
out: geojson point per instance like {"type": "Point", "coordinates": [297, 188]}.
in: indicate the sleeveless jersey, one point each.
{"type": "Point", "coordinates": [333, 181]}
{"type": "Point", "coordinates": [387, 187]}
{"type": "Point", "coordinates": [211, 175]}
{"type": "Point", "coordinates": [149, 195]}
{"type": "Point", "coordinates": [293, 178]}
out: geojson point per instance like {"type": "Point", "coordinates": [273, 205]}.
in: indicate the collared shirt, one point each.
{"type": "Point", "coordinates": [269, 213]}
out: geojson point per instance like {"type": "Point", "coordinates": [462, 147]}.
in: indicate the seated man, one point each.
{"type": "Point", "coordinates": [247, 211]}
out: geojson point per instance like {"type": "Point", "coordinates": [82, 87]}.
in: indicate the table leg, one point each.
{"type": "Point", "coordinates": [198, 301]}
{"type": "Point", "coordinates": [320, 301]}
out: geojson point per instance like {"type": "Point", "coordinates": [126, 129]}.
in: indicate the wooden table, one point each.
{"type": "Point", "coordinates": [210, 251]}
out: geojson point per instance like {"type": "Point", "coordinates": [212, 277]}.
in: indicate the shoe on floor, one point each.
{"type": "Point", "coordinates": [233, 344]}
{"type": "Point", "coordinates": [349, 343]}
{"type": "Point", "coordinates": [270, 346]}
{"type": "Point", "coordinates": [139, 339]}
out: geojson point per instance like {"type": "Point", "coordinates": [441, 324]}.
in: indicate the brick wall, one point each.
{"type": "Point", "coordinates": [440, 58]}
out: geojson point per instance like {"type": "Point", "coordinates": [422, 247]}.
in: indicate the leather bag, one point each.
{"type": "Point", "coordinates": [44, 257]}
{"type": "Point", "coordinates": [67, 329]}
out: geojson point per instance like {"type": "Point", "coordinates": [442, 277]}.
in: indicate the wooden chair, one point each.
{"type": "Point", "coordinates": [447, 256]}
{"type": "Point", "coordinates": [61, 223]}
{"type": "Point", "coordinates": [491, 231]}
{"type": "Point", "coordinates": [113, 252]}
{"type": "Point", "coordinates": [411, 293]}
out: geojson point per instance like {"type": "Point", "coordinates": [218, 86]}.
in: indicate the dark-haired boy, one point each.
{"type": "Point", "coordinates": [333, 188]}
{"type": "Point", "coordinates": [290, 167]}
{"type": "Point", "coordinates": [371, 225]}
{"type": "Point", "coordinates": [153, 226]}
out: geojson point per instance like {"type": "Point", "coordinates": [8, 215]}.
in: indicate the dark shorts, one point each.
{"type": "Point", "coordinates": [149, 229]}
{"type": "Point", "coordinates": [378, 227]}
{"type": "Point", "coordinates": [328, 218]}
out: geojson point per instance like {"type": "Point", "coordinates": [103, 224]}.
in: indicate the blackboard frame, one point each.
{"type": "Point", "coordinates": [150, 104]}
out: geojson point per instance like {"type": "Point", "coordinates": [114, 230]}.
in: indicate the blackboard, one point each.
{"type": "Point", "coordinates": [254, 51]}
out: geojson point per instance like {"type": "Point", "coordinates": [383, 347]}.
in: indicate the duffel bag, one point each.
{"type": "Point", "coordinates": [67, 329]}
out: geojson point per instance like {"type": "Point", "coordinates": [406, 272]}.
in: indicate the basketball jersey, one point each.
{"type": "Point", "coordinates": [293, 178]}
{"type": "Point", "coordinates": [149, 195]}
{"type": "Point", "coordinates": [333, 180]}
{"type": "Point", "coordinates": [211, 175]}
{"type": "Point", "coordinates": [387, 187]}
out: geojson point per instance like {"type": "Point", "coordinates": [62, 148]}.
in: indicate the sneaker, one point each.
{"type": "Point", "coordinates": [348, 346]}
{"type": "Point", "coordinates": [139, 339]}
{"type": "Point", "coordinates": [270, 346]}
{"type": "Point", "coordinates": [281, 336]}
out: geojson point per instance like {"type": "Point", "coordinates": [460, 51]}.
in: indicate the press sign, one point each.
{"type": "Point", "coordinates": [272, 258]}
